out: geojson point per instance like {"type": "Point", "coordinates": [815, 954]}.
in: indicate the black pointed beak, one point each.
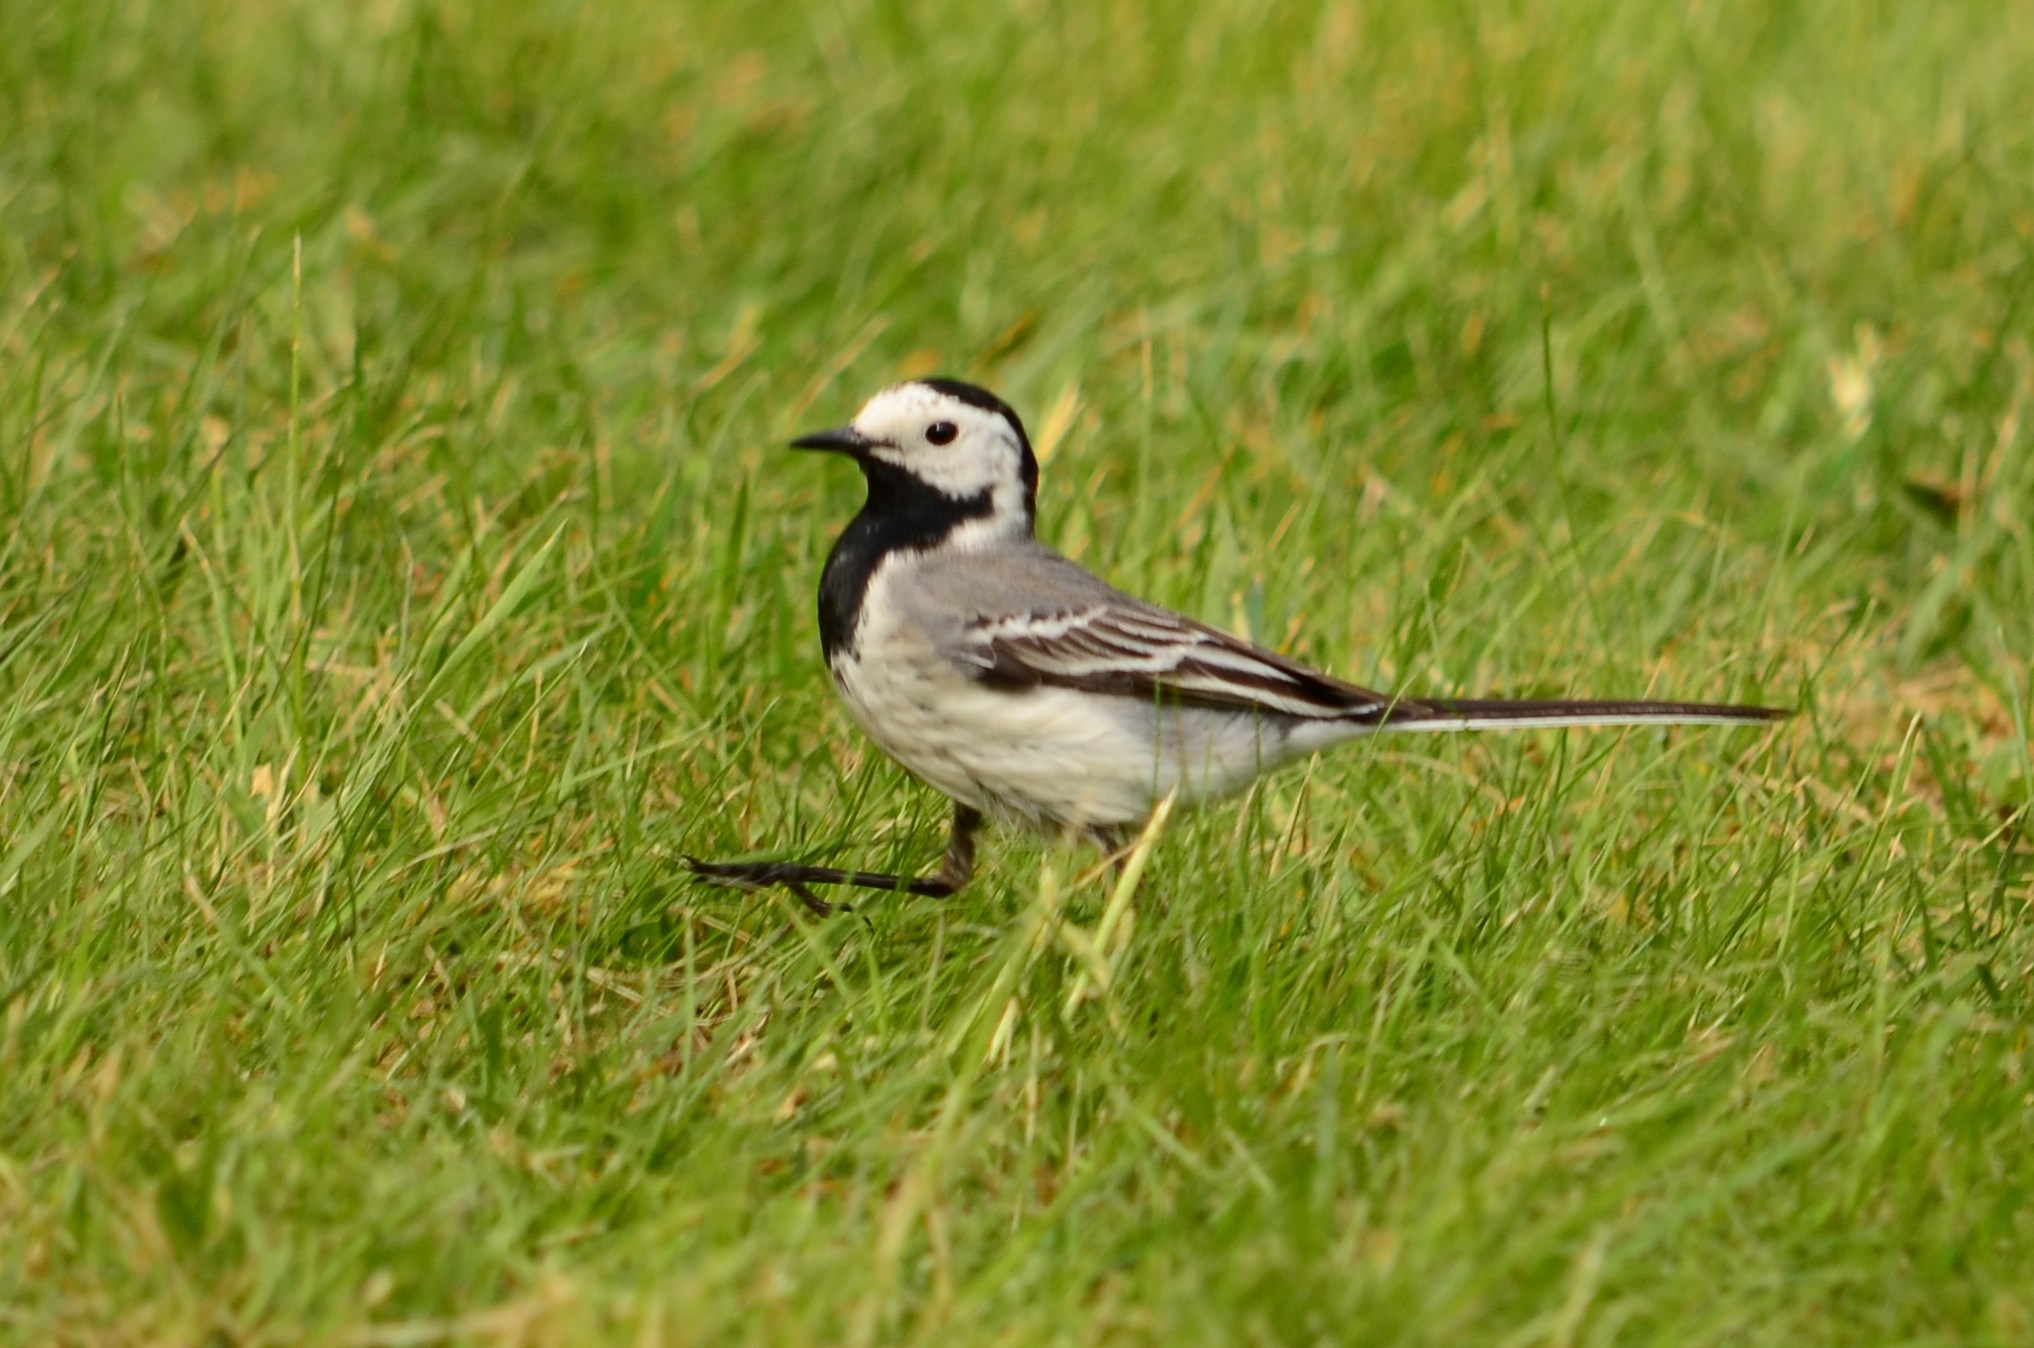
{"type": "Point", "coordinates": [839, 440]}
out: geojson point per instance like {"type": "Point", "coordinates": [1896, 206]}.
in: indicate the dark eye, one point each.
{"type": "Point", "coordinates": [941, 432]}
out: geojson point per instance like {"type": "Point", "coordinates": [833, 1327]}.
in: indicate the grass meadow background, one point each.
{"type": "Point", "coordinates": [400, 571]}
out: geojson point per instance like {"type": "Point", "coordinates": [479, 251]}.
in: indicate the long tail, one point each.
{"type": "Point", "coordinates": [1436, 714]}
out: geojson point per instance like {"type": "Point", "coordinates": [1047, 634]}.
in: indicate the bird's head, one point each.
{"type": "Point", "coordinates": [932, 441]}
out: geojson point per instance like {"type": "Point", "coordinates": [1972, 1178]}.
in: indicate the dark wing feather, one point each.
{"type": "Point", "coordinates": [1070, 630]}
{"type": "Point", "coordinates": [1135, 650]}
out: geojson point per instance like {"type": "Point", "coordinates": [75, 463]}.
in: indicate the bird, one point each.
{"type": "Point", "coordinates": [1031, 692]}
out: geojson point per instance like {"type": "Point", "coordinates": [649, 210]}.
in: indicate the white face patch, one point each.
{"type": "Point", "coordinates": [982, 451]}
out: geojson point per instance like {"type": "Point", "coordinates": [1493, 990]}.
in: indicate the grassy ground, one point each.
{"type": "Point", "coordinates": [398, 573]}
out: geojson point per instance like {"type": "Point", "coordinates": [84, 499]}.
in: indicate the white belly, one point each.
{"type": "Point", "coordinates": [1054, 759]}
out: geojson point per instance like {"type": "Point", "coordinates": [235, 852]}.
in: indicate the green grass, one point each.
{"type": "Point", "coordinates": [399, 573]}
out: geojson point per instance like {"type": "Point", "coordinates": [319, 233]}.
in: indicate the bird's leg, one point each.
{"type": "Point", "coordinates": [955, 870]}
{"type": "Point", "coordinates": [1112, 843]}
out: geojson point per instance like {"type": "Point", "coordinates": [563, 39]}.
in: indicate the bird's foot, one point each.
{"type": "Point", "coordinates": [758, 875]}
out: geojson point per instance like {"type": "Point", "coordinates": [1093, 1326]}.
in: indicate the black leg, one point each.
{"type": "Point", "coordinates": [955, 870]}
{"type": "Point", "coordinates": [1113, 843]}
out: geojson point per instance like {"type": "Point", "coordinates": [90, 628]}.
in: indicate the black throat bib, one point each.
{"type": "Point", "coordinates": [902, 514]}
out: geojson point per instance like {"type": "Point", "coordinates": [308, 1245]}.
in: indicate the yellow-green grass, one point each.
{"type": "Point", "coordinates": [399, 572]}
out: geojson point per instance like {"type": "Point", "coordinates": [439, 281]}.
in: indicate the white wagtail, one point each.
{"type": "Point", "coordinates": [1030, 691]}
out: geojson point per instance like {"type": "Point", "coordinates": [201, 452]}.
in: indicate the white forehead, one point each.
{"type": "Point", "coordinates": [907, 409]}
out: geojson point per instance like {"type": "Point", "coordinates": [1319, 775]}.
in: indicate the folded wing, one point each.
{"type": "Point", "coordinates": [1044, 622]}
{"type": "Point", "coordinates": [1135, 650]}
